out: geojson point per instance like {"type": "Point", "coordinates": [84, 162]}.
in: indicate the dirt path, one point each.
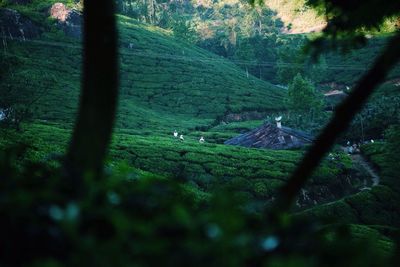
{"type": "Point", "coordinates": [360, 160]}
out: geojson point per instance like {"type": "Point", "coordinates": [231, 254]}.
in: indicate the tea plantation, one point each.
{"type": "Point", "coordinates": [164, 83]}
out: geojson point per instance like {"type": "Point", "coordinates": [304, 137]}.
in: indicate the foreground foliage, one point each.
{"type": "Point", "coordinates": [133, 218]}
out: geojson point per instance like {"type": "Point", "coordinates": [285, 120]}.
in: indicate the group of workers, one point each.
{"type": "Point", "coordinates": [181, 138]}
{"type": "Point", "coordinates": [355, 148]}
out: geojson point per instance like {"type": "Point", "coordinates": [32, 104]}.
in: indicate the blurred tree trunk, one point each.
{"type": "Point", "coordinates": [98, 100]}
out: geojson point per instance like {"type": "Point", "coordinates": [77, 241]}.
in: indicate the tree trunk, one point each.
{"type": "Point", "coordinates": [93, 128]}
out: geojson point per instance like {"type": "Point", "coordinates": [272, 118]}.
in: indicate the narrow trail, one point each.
{"type": "Point", "coordinates": [360, 160]}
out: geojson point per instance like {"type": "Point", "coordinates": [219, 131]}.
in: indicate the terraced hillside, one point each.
{"type": "Point", "coordinates": [165, 83]}
{"type": "Point", "coordinates": [255, 174]}
{"type": "Point", "coordinates": [349, 67]}
{"type": "Point", "coordinates": [376, 208]}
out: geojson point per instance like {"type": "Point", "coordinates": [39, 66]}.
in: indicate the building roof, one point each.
{"type": "Point", "coordinates": [271, 137]}
{"type": "Point", "coordinates": [335, 93]}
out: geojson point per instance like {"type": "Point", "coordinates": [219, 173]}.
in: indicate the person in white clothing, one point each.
{"type": "Point", "coordinates": [175, 134]}
{"type": "Point", "coordinates": [181, 137]}
{"type": "Point", "coordinates": [201, 141]}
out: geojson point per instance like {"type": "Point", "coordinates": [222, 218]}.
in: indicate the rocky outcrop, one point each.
{"type": "Point", "coordinates": [69, 20]}
{"type": "Point", "coordinates": [15, 26]}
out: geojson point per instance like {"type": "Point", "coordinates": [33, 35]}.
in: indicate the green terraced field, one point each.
{"type": "Point", "coordinates": [164, 83]}
{"type": "Point", "coordinates": [167, 84]}
{"type": "Point", "coordinates": [253, 172]}
{"type": "Point", "coordinates": [347, 68]}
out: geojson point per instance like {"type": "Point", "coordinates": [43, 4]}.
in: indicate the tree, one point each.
{"type": "Point", "coordinates": [316, 71]}
{"type": "Point", "coordinates": [302, 96]}
{"type": "Point", "coordinates": [290, 62]}
{"type": "Point", "coordinates": [182, 28]}
{"type": "Point", "coordinates": [264, 51]}
{"type": "Point", "coordinates": [244, 52]}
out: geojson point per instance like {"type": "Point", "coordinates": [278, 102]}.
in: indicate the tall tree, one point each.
{"type": "Point", "coordinates": [316, 71]}
{"type": "Point", "coordinates": [290, 62]}
{"type": "Point", "coordinates": [244, 52]}
{"type": "Point", "coordinates": [302, 96]}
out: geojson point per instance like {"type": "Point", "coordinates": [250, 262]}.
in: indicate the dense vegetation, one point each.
{"type": "Point", "coordinates": [162, 198]}
{"type": "Point", "coordinates": [256, 38]}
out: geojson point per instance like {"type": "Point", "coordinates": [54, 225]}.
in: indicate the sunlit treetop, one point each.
{"type": "Point", "coordinates": [353, 15]}
{"type": "Point", "coordinates": [350, 21]}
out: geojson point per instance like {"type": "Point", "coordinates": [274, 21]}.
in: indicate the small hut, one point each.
{"type": "Point", "coordinates": [272, 136]}
{"type": "Point", "coordinates": [333, 93]}
{"type": "Point", "coordinates": [334, 97]}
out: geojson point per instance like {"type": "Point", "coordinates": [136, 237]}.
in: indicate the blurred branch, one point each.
{"type": "Point", "coordinates": [340, 122]}
{"type": "Point", "coordinates": [352, 16]}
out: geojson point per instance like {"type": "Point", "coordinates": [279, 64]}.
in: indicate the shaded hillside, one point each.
{"type": "Point", "coordinates": [164, 82]}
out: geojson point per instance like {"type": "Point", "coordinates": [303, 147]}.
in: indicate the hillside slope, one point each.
{"type": "Point", "coordinates": [164, 82]}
